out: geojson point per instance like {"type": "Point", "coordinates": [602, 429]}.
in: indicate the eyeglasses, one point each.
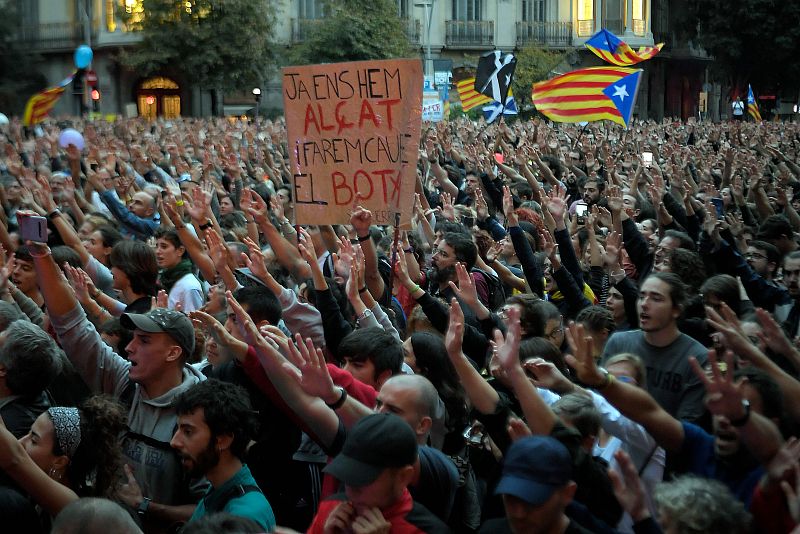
{"type": "Point", "coordinates": [754, 256]}
{"type": "Point", "coordinates": [553, 334]}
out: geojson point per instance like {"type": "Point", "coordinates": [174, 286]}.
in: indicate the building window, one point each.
{"type": "Point", "coordinates": [585, 18]}
{"type": "Point", "coordinates": [402, 9]}
{"type": "Point", "coordinates": [311, 9]}
{"type": "Point", "coordinates": [131, 10]}
{"type": "Point", "coordinates": [533, 11]}
{"type": "Point", "coordinates": [637, 13]}
{"type": "Point", "coordinates": [467, 9]}
{"type": "Point", "coordinates": [613, 16]}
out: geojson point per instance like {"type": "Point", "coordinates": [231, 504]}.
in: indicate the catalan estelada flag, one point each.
{"type": "Point", "coordinates": [40, 104]}
{"type": "Point", "coordinates": [592, 94]}
{"type": "Point", "coordinates": [612, 49]}
{"type": "Point", "coordinates": [752, 105]}
{"type": "Point", "coordinates": [470, 98]}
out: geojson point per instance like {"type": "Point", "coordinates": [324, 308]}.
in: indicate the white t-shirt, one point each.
{"type": "Point", "coordinates": [188, 292]}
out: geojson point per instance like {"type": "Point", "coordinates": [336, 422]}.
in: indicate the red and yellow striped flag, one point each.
{"type": "Point", "coordinates": [612, 49]}
{"type": "Point", "coordinates": [591, 94]}
{"type": "Point", "coordinates": [40, 104]}
{"type": "Point", "coordinates": [470, 98]}
{"type": "Point", "coordinates": [752, 105]}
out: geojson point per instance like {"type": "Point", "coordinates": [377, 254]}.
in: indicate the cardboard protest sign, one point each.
{"type": "Point", "coordinates": [353, 132]}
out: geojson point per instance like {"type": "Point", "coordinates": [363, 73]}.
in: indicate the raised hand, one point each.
{"type": "Point", "coordinates": [455, 330]}
{"type": "Point", "coordinates": [465, 290]}
{"type": "Point", "coordinates": [545, 374]}
{"type": "Point", "coordinates": [557, 203]}
{"type": "Point", "coordinates": [582, 357]}
{"type": "Point", "coordinates": [723, 395]}
{"type": "Point", "coordinates": [508, 207]}
{"type": "Point", "coordinates": [306, 247]}
{"type": "Point", "coordinates": [481, 208]}
{"type": "Point", "coordinates": [309, 368]}
{"type": "Point", "coordinates": [448, 210]}
{"type": "Point", "coordinates": [614, 197]}
{"type": "Point", "coordinates": [628, 487]}
{"type": "Point", "coordinates": [507, 347]}
{"type": "Point", "coordinates": [361, 219]}
{"type": "Point", "coordinates": [255, 260]}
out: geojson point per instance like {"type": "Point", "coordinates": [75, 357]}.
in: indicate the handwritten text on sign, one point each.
{"type": "Point", "coordinates": [353, 131]}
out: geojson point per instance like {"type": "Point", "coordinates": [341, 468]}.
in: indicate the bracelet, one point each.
{"type": "Point", "coordinates": [414, 289]}
{"type": "Point", "coordinates": [53, 214]}
{"type": "Point", "coordinates": [96, 293]}
{"type": "Point", "coordinates": [179, 202]}
{"type": "Point", "coordinates": [363, 290]}
{"type": "Point", "coordinates": [250, 221]}
{"type": "Point", "coordinates": [607, 379]}
{"type": "Point", "coordinates": [361, 239]}
{"type": "Point", "coordinates": [339, 403]}
{"type": "Point", "coordinates": [44, 255]}
{"type": "Point", "coordinates": [409, 250]}
{"type": "Point", "coordinates": [208, 224]}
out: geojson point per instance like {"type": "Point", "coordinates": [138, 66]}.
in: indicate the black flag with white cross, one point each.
{"type": "Point", "coordinates": [495, 72]}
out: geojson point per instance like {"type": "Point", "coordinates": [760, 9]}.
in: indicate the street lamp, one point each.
{"type": "Point", "coordinates": [429, 5]}
{"type": "Point", "coordinates": [257, 95]}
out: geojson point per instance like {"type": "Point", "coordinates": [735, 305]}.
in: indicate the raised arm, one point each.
{"type": "Point", "coordinates": [361, 219]}
{"type": "Point", "coordinates": [538, 415]}
{"type": "Point", "coordinates": [633, 402]}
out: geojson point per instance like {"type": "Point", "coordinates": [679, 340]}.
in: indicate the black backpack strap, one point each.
{"type": "Point", "coordinates": [234, 492]}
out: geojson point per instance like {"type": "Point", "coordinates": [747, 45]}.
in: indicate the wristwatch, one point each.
{"type": "Point", "coordinates": [143, 506]}
{"type": "Point", "coordinates": [367, 313]}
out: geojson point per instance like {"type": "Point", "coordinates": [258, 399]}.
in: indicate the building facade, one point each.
{"type": "Point", "coordinates": [455, 30]}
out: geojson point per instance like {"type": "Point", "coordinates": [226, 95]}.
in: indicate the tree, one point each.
{"type": "Point", "coordinates": [533, 65]}
{"type": "Point", "coordinates": [19, 75]}
{"type": "Point", "coordinates": [220, 44]}
{"type": "Point", "coordinates": [755, 41]}
{"type": "Point", "coordinates": [355, 30]}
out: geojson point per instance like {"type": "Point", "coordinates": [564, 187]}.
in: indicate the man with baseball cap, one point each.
{"type": "Point", "coordinates": [148, 382]}
{"type": "Point", "coordinates": [375, 466]}
{"type": "Point", "coordinates": [536, 486]}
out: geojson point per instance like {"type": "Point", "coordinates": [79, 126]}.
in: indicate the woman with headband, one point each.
{"type": "Point", "coordinates": [68, 453]}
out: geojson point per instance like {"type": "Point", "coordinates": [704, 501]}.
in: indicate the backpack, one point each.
{"type": "Point", "coordinates": [231, 493]}
{"type": "Point", "coordinates": [497, 293]}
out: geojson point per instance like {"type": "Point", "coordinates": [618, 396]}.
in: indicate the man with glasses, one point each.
{"type": "Point", "coordinates": [791, 278]}
{"type": "Point", "coordinates": [756, 269]}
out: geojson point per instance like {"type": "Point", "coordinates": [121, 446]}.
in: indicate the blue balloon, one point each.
{"type": "Point", "coordinates": [83, 56]}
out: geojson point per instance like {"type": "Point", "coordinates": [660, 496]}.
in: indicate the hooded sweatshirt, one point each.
{"type": "Point", "coordinates": [151, 421]}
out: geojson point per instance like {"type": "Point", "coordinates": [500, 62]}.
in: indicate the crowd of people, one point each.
{"type": "Point", "coordinates": [584, 329]}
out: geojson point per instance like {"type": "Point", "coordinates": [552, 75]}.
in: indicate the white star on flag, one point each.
{"type": "Point", "coordinates": [621, 91]}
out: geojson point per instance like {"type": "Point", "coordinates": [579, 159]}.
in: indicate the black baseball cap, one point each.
{"type": "Point", "coordinates": [377, 442]}
{"type": "Point", "coordinates": [161, 320]}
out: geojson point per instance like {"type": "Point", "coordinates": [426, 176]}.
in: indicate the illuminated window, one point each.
{"type": "Point", "coordinates": [135, 13]}
{"type": "Point", "coordinates": [159, 82]}
{"type": "Point", "coordinates": [111, 19]}
{"type": "Point", "coordinates": [638, 17]}
{"type": "Point", "coordinates": [585, 18]}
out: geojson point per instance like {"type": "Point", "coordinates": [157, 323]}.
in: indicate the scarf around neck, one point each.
{"type": "Point", "coordinates": [169, 277]}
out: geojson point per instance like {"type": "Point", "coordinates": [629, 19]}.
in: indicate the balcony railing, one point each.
{"type": "Point", "coordinates": [470, 33]}
{"type": "Point", "coordinates": [51, 36]}
{"type": "Point", "coordinates": [413, 29]}
{"type": "Point", "coordinates": [556, 34]}
{"type": "Point", "coordinates": [302, 28]}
